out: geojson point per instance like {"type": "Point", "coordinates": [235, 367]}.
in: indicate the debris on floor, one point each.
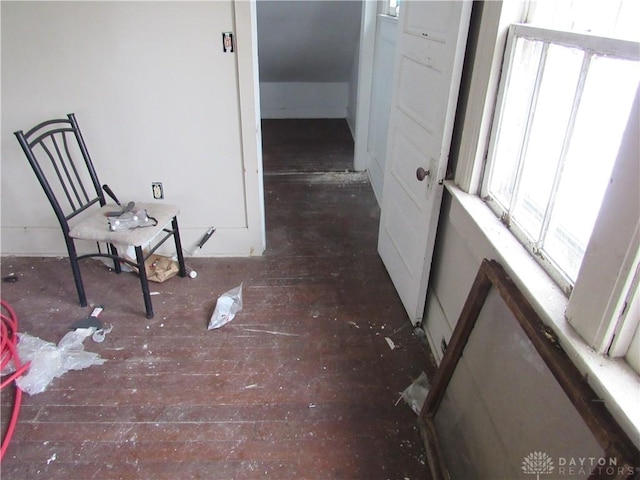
{"type": "Point", "coordinates": [49, 361]}
{"type": "Point", "coordinates": [99, 335]}
{"type": "Point", "coordinates": [11, 278]}
{"type": "Point", "coordinates": [272, 332]}
{"type": "Point", "coordinates": [160, 268]}
{"type": "Point", "coordinates": [422, 335]}
{"type": "Point", "coordinates": [227, 305]}
{"type": "Point", "coordinates": [390, 342]}
{"type": "Point", "coordinates": [416, 393]}
{"type": "Point", "coordinates": [190, 271]}
{"type": "Point", "coordinates": [92, 321]}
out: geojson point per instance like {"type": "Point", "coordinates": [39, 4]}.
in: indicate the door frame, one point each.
{"type": "Point", "coordinates": [246, 26]}
{"type": "Point", "coordinates": [365, 83]}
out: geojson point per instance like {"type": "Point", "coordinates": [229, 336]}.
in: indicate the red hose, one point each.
{"type": "Point", "coordinates": [8, 343]}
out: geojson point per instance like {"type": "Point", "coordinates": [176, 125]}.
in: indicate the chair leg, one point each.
{"type": "Point", "coordinates": [75, 268]}
{"type": "Point", "coordinates": [144, 282]}
{"type": "Point", "coordinates": [180, 255]}
{"type": "Point", "coordinates": [116, 263]}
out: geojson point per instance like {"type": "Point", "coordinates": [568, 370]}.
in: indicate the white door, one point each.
{"type": "Point", "coordinates": [381, 90]}
{"type": "Point", "coordinates": [427, 69]}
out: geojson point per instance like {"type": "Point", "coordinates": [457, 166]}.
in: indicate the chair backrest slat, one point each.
{"type": "Point", "coordinates": [57, 163]}
{"type": "Point", "coordinates": [75, 169]}
{"type": "Point", "coordinates": [60, 159]}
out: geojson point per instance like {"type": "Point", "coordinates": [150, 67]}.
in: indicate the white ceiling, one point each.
{"type": "Point", "coordinates": [307, 40]}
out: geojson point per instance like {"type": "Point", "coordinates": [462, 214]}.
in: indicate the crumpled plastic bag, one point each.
{"type": "Point", "coordinates": [49, 361]}
{"type": "Point", "coordinates": [227, 305]}
{"type": "Point", "coordinates": [416, 393]}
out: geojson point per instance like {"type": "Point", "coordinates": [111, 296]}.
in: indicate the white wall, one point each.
{"type": "Point", "coordinates": [352, 99]}
{"type": "Point", "coordinates": [157, 100]}
{"type": "Point", "coordinates": [307, 53]}
{"type": "Point", "coordinates": [304, 99]}
{"type": "Point", "coordinates": [454, 268]}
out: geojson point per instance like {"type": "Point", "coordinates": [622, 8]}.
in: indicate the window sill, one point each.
{"type": "Point", "coordinates": [388, 18]}
{"type": "Point", "coordinates": [613, 380]}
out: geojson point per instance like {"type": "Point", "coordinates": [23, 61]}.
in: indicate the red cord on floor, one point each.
{"type": "Point", "coordinates": [8, 344]}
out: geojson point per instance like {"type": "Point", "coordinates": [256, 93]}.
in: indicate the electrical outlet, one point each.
{"type": "Point", "coordinates": [157, 190]}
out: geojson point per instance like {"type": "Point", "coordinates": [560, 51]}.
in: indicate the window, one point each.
{"type": "Point", "coordinates": [565, 102]}
{"type": "Point", "coordinates": [563, 107]}
{"type": "Point", "coordinates": [393, 8]}
{"type": "Point", "coordinates": [592, 323]}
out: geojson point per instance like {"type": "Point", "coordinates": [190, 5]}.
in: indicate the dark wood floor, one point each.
{"type": "Point", "coordinates": [316, 145]}
{"type": "Point", "coordinates": [300, 385]}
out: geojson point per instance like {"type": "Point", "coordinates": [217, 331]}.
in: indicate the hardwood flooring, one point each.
{"type": "Point", "coordinates": [304, 146]}
{"type": "Point", "coordinates": [300, 385]}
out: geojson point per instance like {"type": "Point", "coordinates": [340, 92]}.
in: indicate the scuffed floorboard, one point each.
{"type": "Point", "coordinates": [301, 384]}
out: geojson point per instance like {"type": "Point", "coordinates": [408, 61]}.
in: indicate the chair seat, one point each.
{"type": "Point", "coordinates": [95, 226]}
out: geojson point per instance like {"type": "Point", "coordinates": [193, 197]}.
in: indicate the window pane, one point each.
{"type": "Point", "coordinates": [394, 8]}
{"type": "Point", "coordinates": [546, 137]}
{"type": "Point", "coordinates": [556, 135]}
{"type": "Point", "coordinates": [514, 119]}
{"type": "Point", "coordinates": [610, 18]}
{"type": "Point", "coordinates": [603, 114]}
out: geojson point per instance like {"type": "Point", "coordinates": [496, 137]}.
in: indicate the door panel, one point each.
{"type": "Point", "coordinates": [413, 102]}
{"type": "Point", "coordinates": [427, 70]}
{"type": "Point", "coordinates": [431, 20]}
{"type": "Point", "coordinates": [385, 45]}
{"type": "Point", "coordinates": [410, 157]}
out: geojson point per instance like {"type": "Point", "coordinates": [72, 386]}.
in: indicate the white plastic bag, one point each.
{"type": "Point", "coordinates": [416, 393]}
{"type": "Point", "coordinates": [227, 305]}
{"type": "Point", "coordinates": [49, 361]}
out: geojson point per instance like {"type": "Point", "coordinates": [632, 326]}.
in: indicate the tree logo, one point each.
{"type": "Point", "coordinates": [537, 463]}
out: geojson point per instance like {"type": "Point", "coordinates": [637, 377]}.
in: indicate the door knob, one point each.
{"type": "Point", "coordinates": [421, 174]}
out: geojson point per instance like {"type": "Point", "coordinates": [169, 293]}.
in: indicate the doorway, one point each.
{"type": "Point", "coordinates": [306, 146]}
{"type": "Point", "coordinates": [308, 63]}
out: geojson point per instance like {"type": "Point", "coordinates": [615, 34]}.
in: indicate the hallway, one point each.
{"type": "Point", "coordinates": [300, 385]}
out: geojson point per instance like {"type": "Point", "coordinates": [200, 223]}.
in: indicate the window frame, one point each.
{"type": "Point", "coordinates": [613, 379]}
{"type": "Point", "coordinates": [590, 45]}
{"type": "Point", "coordinates": [612, 257]}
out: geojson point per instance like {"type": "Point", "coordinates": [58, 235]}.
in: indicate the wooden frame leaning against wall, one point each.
{"type": "Point", "coordinates": [507, 401]}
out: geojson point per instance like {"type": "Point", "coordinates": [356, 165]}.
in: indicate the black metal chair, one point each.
{"type": "Point", "coordinates": [60, 159]}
